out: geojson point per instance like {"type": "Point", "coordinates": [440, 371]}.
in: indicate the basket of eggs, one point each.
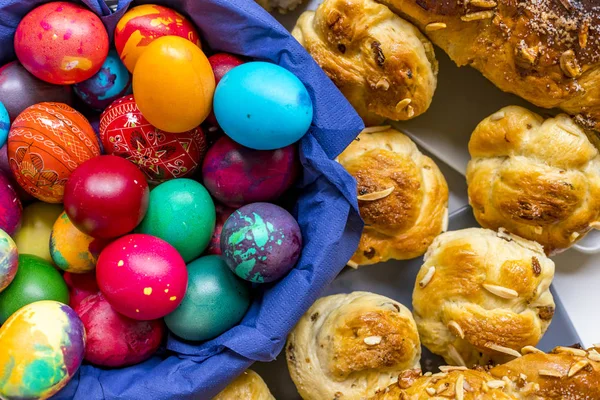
{"type": "Point", "coordinates": [169, 201]}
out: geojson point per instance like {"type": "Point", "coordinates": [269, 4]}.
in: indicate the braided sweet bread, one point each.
{"type": "Point", "coordinates": [347, 346]}
{"type": "Point", "coordinates": [539, 179]}
{"type": "Point", "coordinates": [482, 295]}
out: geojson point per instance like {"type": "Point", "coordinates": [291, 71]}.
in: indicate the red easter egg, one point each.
{"type": "Point", "coordinates": [142, 277]}
{"type": "Point", "coordinates": [223, 212]}
{"type": "Point", "coordinates": [61, 43]}
{"type": "Point", "coordinates": [106, 197]}
{"type": "Point", "coordinates": [10, 207]}
{"type": "Point", "coordinates": [113, 340]}
{"type": "Point", "coordinates": [236, 175]}
{"type": "Point", "coordinates": [158, 154]}
{"type": "Point", "coordinates": [80, 286]}
{"type": "Point", "coordinates": [141, 25]}
{"type": "Point", "coordinates": [46, 143]}
{"type": "Point", "coordinates": [221, 64]}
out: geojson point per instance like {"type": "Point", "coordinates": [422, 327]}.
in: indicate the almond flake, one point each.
{"type": "Point", "coordinates": [455, 328]}
{"type": "Point", "coordinates": [402, 104]}
{"type": "Point", "coordinates": [459, 388]}
{"type": "Point", "coordinates": [352, 264]}
{"type": "Point", "coordinates": [430, 391]}
{"type": "Point", "coordinates": [578, 366]}
{"type": "Point", "coordinates": [549, 372]}
{"type": "Point", "coordinates": [477, 16]}
{"type": "Point", "coordinates": [530, 350]}
{"type": "Point", "coordinates": [448, 368]}
{"type": "Point", "coordinates": [372, 340]}
{"type": "Point", "coordinates": [455, 355]}
{"type": "Point", "coordinates": [501, 291]}
{"type": "Point", "coordinates": [495, 384]}
{"type": "Point", "coordinates": [427, 278]}
{"type": "Point", "coordinates": [435, 26]}
{"type": "Point", "coordinates": [594, 355]}
{"type": "Point", "coordinates": [570, 350]}
{"type": "Point", "coordinates": [503, 349]}
{"type": "Point", "coordinates": [497, 116]}
{"type": "Point", "coordinates": [376, 195]}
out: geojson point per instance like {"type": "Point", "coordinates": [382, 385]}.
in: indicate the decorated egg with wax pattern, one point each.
{"type": "Point", "coordinates": [158, 154]}
{"type": "Point", "coordinates": [61, 43]}
{"type": "Point", "coordinates": [42, 346]}
{"type": "Point", "coordinates": [141, 25]}
{"type": "Point", "coordinates": [261, 242]}
{"type": "Point", "coordinates": [9, 260]}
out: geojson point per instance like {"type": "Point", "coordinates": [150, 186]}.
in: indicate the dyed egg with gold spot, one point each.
{"type": "Point", "coordinates": [42, 346]}
{"type": "Point", "coordinates": [143, 24]}
{"type": "Point", "coordinates": [36, 227]}
{"type": "Point", "coordinates": [142, 277]}
{"type": "Point", "coordinates": [61, 43]}
{"type": "Point", "coordinates": [46, 143]}
{"type": "Point", "coordinates": [72, 250]}
{"type": "Point", "coordinates": [9, 260]}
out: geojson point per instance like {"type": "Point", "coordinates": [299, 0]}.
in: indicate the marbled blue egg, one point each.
{"type": "Point", "coordinates": [4, 124]}
{"type": "Point", "coordinates": [110, 83]}
{"type": "Point", "coordinates": [263, 106]}
{"type": "Point", "coordinates": [261, 242]}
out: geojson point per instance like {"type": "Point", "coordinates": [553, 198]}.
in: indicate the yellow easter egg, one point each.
{"type": "Point", "coordinates": [36, 228]}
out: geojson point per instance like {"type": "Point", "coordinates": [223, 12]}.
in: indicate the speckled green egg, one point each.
{"type": "Point", "coordinates": [215, 301]}
{"type": "Point", "coordinates": [182, 213]}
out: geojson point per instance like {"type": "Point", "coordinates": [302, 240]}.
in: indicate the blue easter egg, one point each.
{"type": "Point", "coordinates": [263, 106]}
{"type": "Point", "coordinates": [110, 83]}
{"type": "Point", "coordinates": [4, 124]}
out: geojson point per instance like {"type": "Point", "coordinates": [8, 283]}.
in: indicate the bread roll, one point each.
{"type": "Point", "coordinates": [248, 386]}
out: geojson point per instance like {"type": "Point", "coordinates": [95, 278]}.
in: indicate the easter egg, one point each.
{"type": "Point", "coordinates": [4, 124]}
{"type": "Point", "coordinates": [158, 154]}
{"type": "Point", "coordinates": [142, 277]}
{"type": "Point", "coordinates": [111, 82]}
{"type": "Point", "coordinates": [262, 106]}
{"type": "Point", "coordinates": [42, 348]}
{"type": "Point", "coordinates": [215, 301]}
{"type": "Point", "coordinates": [221, 64]}
{"type": "Point", "coordinates": [223, 212]}
{"type": "Point", "coordinates": [182, 213]}
{"type": "Point", "coordinates": [36, 280]}
{"type": "Point", "coordinates": [9, 260]}
{"type": "Point", "coordinates": [46, 143]}
{"type": "Point", "coordinates": [80, 286]}
{"type": "Point", "coordinates": [10, 206]}
{"type": "Point", "coordinates": [72, 250]}
{"type": "Point", "coordinates": [19, 90]}
{"type": "Point", "coordinates": [180, 97]}
{"type": "Point", "coordinates": [106, 197]}
{"type": "Point", "coordinates": [143, 24]}
{"type": "Point", "coordinates": [36, 228]}
{"type": "Point", "coordinates": [236, 175]}
{"type": "Point", "coordinates": [261, 242]}
{"type": "Point", "coordinates": [61, 43]}
{"type": "Point", "coordinates": [112, 339]}
{"type": "Point", "coordinates": [7, 172]}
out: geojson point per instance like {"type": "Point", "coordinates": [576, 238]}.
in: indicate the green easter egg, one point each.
{"type": "Point", "coordinates": [182, 213]}
{"type": "Point", "coordinates": [215, 301]}
{"type": "Point", "coordinates": [36, 280]}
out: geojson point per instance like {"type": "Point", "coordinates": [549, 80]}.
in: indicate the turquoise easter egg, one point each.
{"type": "Point", "coordinates": [9, 260]}
{"type": "Point", "coordinates": [263, 106]}
{"type": "Point", "coordinates": [42, 346]}
{"type": "Point", "coordinates": [215, 301]}
{"type": "Point", "coordinates": [182, 213]}
{"type": "Point", "coordinates": [4, 124]}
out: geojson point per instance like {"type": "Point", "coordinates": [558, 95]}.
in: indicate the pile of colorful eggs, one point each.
{"type": "Point", "coordinates": [145, 225]}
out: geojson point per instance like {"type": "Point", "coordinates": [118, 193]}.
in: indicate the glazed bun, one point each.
{"type": "Point", "coordinates": [347, 346]}
{"type": "Point", "coordinates": [248, 386]}
{"type": "Point", "coordinates": [482, 295]}
{"type": "Point", "coordinates": [539, 179]}
{"type": "Point", "coordinates": [403, 196]}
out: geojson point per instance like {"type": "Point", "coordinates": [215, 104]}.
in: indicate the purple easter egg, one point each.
{"type": "Point", "coordinates": [261, 242]}
{"type": "Point", "coordinates": [236, 175]}
{"type": "Point", "coordinates": [10, 207]}
{"type": "Point", "coordinates": [113, 81]}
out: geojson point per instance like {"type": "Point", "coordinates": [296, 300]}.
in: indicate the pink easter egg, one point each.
{"type": "Point", "coordinates": [10, 206]}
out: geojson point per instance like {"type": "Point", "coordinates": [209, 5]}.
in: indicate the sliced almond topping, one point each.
{"type": "Point", "coordinates": [455, 328]}
{"type": "Point", "coordinates": [427, 278]}
{"type": "Point", "coordinates": [375, 129]}
{"type": "Point", "coordinates": [483, 3]}
{"type": "Point", "coordinates": [574, 236]}
{"type": "Point", "coordinates": [445, 221]}
{"type": "Point", "coordinates": [502, 349]}
{"type": "Point", "coordinates": [428, 373]}
{"type": "Point", "coordinates": [550, 372]}
{"type": "Point", "coordinates": [435, 26]}
{"type": "Point", "coordinates": [410, 111]}
{"type": "Point", "coordinates": [467, 387]}
{"type": "Point", "coordinates": [501, 291]}
{"type": "Point", "coordinates": [578, 366]}
{"type": "Point", "coordinates": [448, 368]}
{"type": "Point", "coordinates": [570, 350]}
{"type": "Point", "coordinates": [594, 355]}
{"type": "Point", "coordinates": [439, 375]}
{"type": "Point", "coordinates": [372, 340]}
{"type": "Point", "coordinates": [383, 84]}
{"type": "Point", "coordinates": [459, 389]}
{"type": "Point", "coordinates": [352, 264]}
{"type": "Point", "coordinates": [402, 104]}
{"type": "Point", "coordinates": [376, 195]}
{"type": "Point", "coordinates": [530, 349]}
{"type": "Point", "coordinates": [442, 388]}
{"type": "Point", "coordinates": [497, 116]}
{"type": "Point", "coordinates": [430, 391]}
{"type": "Point", "coordinates": [595, 225]}
{"type": "Point", "coordinates": [495, 384]}
{"type": "Point", "coordinates": [569, 64]}
{"type": "Point", "coordinates": [477, 16]}
{"type": "Point", "coordinates": [455, 355]}
{"type": "Point", "coordinates": [523, 377]}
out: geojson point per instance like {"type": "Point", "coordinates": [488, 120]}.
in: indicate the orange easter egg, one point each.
{"type": "Point", "coordinates": [179, 98]}
{"type": "Point", "coordinates": [143, 24]}
{"type": "Point", "coordinates": [46, 142]}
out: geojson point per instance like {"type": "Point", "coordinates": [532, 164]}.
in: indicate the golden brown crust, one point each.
{"type": "Point", "coordinates": [547, 51]}
{"type": "Point", "coordinates": [480, 294]}
{"type": "Point", "coordinates": [383, 65]}
{"type": "Point", "coordinates": [348, 346]}
{"type": "Point", "coordinates": [539, 179]}
{"type": "Point", "coordinates": [248, 386]}
{"type": "Point", "coordinates": [413, 211]}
